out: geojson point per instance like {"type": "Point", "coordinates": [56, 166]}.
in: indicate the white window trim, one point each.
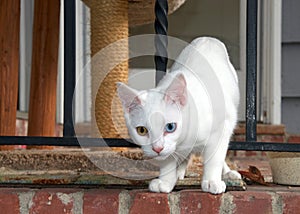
{"type": "Point", "coordinates": [26, 27]}
{"type": "Point", "coordinates": [271, 61]}
{"type": "Point", "coordinates": [242, 71]}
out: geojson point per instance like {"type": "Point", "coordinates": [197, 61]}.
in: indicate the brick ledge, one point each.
{"type": "Point", "coordinates": [257, 199]}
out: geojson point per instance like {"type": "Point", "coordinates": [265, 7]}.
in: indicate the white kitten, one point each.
{"type": "Point", "coordinates": [193, 109]}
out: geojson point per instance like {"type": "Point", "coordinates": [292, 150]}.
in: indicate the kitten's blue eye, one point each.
{"type": "Point", "coordinates": [170, 127]}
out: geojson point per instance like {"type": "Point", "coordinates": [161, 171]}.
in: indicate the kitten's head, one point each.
{"type": "Point", "coordinates": [154, 117]}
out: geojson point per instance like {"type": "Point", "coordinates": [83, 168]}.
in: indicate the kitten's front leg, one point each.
{"type": "Point", "coordinates": [181, 169]}
{"type": "Point", "coordinates": [167, 177]}
{"type": "Point", "coordinates": [212, 174]}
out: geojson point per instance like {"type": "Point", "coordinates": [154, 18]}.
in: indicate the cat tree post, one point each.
{"type": "Point", "coordinates": [9, 66]}
{"type": "Point", "coordinates": [109, 23]}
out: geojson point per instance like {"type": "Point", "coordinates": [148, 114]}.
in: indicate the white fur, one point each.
{"type": "Point", "coordinates": [186, 96]}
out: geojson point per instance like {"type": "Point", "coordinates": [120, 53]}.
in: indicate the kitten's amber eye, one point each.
{"type": "Point", "coordinates": [141, 130]}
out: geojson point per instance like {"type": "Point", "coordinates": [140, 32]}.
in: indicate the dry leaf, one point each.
{"type": "Point", "coordinates": [254, 175]}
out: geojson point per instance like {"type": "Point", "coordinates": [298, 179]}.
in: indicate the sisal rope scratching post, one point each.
{"type": "Point", "coordinates": [109, 23]}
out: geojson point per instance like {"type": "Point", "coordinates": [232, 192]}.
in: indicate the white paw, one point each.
{"type": "Point", "coordinates": [214, 187]}
{"type": "Point", "coordinates": [233, 175]}
{"type": "Point", "coordinates": [158, 185]}
{"type": "Point", "coordinates": [180, 174]}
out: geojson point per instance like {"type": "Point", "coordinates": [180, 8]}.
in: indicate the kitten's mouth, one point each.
{"type": "Point", "coordinates": [161, 157]}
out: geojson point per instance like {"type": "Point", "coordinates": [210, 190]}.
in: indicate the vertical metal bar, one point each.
{"type": "Point", "coordinates": [161, 39]}
{"type": "Point", "coordinates": [251, 70]}
{"type": "Point", "coordinates": [69, 65]}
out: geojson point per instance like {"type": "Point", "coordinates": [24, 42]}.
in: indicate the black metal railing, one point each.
{"type": "Point", "coordinates": [69, 138]}
{"type": "Point", "coordinates": [251, 70]}
{"type": "Point", "coordinates": [161, 39]}
{"type": "Point", "coordinates": [69, 65]}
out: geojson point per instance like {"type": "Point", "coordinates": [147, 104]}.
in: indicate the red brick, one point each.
{"type": "Point", "coordinates": [58, 130]}
{"type": "Point", "coordinates": [252, 202]}
{"type": "Point", "coordinates": [261, 129]}
{"type": "Point", "coordinates": [199, 202]}
{"type": "Point", "coordinates": [271, 138]}
{"type": "Point", "coordinates": [147, 202]}
{"type": "Point", "coordinates": [9, 201]}
{"type": "Point", "coordinates": [252, 153]}
{"type": "Point", "coordinates": [290, 202]}
{"type": "Point", "coordinates": [240, 154]}
{"type": "Point", "coordinates": [21, 127]}
{"type": "Point", "coordinates": [101, 201]}
{"type": "Point", "coordinates": [52, 201]}
{"type": "Point", "coordinates": [263, 154]}
{"type": "Point", "coordinates": [257, 154]}
{"type": "Point", "coordinates": [270, 129]}
{"type": "Point", "coordinates": [294, 139]}
{"type": "Point", "coordinates": [239, 138]}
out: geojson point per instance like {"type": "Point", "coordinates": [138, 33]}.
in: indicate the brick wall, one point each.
{"type": "Point", "coordinates": [112, 201]}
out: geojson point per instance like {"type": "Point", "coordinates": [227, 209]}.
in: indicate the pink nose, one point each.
{"type": "Point", "coordinates": [157, 149]}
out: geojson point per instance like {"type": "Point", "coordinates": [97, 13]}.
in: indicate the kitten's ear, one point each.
{"type": "Point", "coordinates": [128, 96]}
{"type": "Point", "coordinates": [177, 92]}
